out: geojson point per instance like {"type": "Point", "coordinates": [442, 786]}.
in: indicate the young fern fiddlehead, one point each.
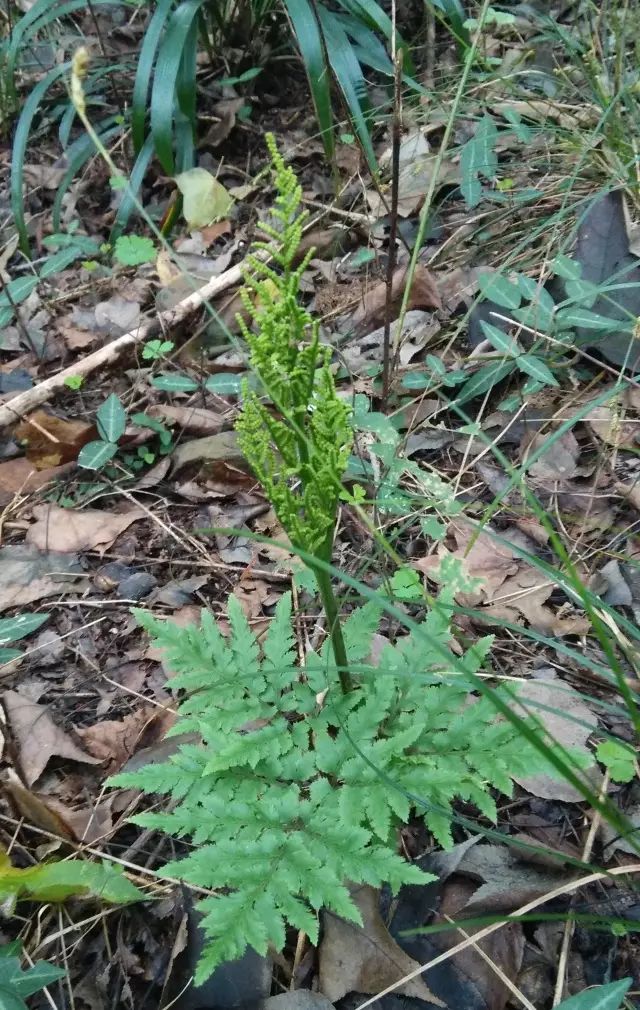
{"type": "Point", "coordinates": [298, 451]}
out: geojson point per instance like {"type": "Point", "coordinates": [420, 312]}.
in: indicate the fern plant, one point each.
{"type": "Point", "coordinates": [300, 454]}
{"type": "Point", "coordinates": [302, 776]}
{"type": "Point", "coordinates": [296, 787]}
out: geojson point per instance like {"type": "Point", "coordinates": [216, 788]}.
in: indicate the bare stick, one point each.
{"type": "Point", "coordinates": [393, 218]}
{"type": "Point", "coordinates": [16, 408]}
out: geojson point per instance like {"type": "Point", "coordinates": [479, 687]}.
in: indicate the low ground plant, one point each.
{"type": "Point", "coordinates": [304, 773]}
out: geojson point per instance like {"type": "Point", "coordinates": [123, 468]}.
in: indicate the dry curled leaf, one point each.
{"type": "Point", "coordinates": [568, 721]}
{"type": "Point", "coordinates": [37, 737]}
{"type": "Point", "coordinates": [51, 441]}
{"type": "Point", "coordinates": [371, 311]}
{"type": "Point", "coordinates": [506, 586]}
{"type": "Point", "coordinates": [114, 741]}
{"type": "Point", "coordinates": [70, 530]}
{"type": "Point", "coordinates": [365, 958]}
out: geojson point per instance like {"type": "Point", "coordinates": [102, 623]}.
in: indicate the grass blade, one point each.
{"type": "Point", "coordinates": [307, 32]}
{"type": "Point", "coordinates": [348, 74]}
{"type": "Point", "coordinates": [163, 95]}
{"type": "Point", "coordinates": [144, 71]}
{"type": "Point", "coordinates": [20, 141]}
{"type": "Point", "coordinates": [370, 14]}
{"type": "Point", "coordinates": [135, 182]}
{"type": "Point", "coordinates": [34, 20]}
{"type": "Point", "coordinates": [77, 155]}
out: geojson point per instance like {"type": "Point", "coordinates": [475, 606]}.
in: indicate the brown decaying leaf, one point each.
{"type": "Point", "coordinates": [510, 588]}
{"type": "Point", "coordinates": [222, 447]}
{"type": "Point", "coordinates": [114, 741]}
{"type": "Point", "coordinates": [65, 530]}
{"type": "Point", "coordinates": [37, 737]}
{"type": "Point", "coordinates": [196, 420]}
{"type": "Point", "coordinates": [50, 440]}
{"type": "Point", "coordinates": [47, 812]}
{"type": "Point", "coordinates": [558, 462]}
{"type": "Point", "coordinates": [29, 574]}
{"type": "Point", "coordinates": [476, 983]}
{"type": "Point", "coordinates": [19, 476]}
{"type": "Point", "coordinates": [567, 719]}
{"type": "Point", "coordinates": [371, 311]}
{"type": "Point", "coordinates": [365, 958]}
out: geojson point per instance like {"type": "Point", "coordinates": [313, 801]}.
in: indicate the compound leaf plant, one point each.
{"type": "Point", "coordinates": [302, 775]}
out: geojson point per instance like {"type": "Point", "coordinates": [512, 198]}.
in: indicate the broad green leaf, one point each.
{"type": "Point", "coordinates": [10, 1000]}
{"type": "Point", "coordinates": [536, 368]}
{"type": "Point", "coordinates": [566, 268]}
{"type": "Point", "coordinates": [417, 380]}
{"type": "Point", "coordinates": [8, 655]}
{"type": "Point", "coordinates": [521, 130]}
{"type": "Point", "coordinates": [536, 293]}
{"type": "Point", "coordinates": [133, 250]}
{"type": "Point", "coordinates": [172, 382]}
{"type": "Point", "coordinates": [485, 378]}
{"type": "Point", "coordinates": [307, 32]}
{"type": "Point", "coordinates": [111, 418]}
{"type": "Point", "coordinates": [583, 292]}
{"type": "Point", "coordinates": [574, 316]}
{"type": "Point", "coordinates": [499, 339]}
{"type": "Point", "coordinates": [478, 158]}
{"type": "Point", "coordinates": [14, 628]}
{"type": "Point", "coordinates": [499, 290]}
{"type": "Point", "coordinates": [205, 200]}
{"type": "Point", "coordinates": [406, 584]}
{"type": "Point", "coordinates": [62, 879]}
{"type": "Point", "coordinates": [619, 758]}
{"type": "Point", "coordinates": [94, 455]}
{"type": "Point", "coordinates": [470, 185]}
{"type": "Point", "coordinates": [225, 383]}
{"type": "Point", "coordinates": [15, 292]}
{"type": "Point", "coordinates": [41, 974]}
{"type": "Point", "coordinates": [600, 997]}
{"type": "Point", "coordinates": [60, 261]}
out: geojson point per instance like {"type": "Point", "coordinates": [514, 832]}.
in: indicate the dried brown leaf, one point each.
{"type": "Point", "coordinates": [568, 721]}
{"type": "Point", "coordinates": [114, 741]}
{"type": "Point", "coordinates": [51, 441]}
{"type": "Point", "coordinates": [195, 420]}
{"type": "Point", "coordinates": [29, 574]}
{"type": "Point", "coordinates": [365, 958]}
{"type": "Point", "coordinates": [19, 476]}
{"type": "Point", "coordinates": [66, 530]}
{"type": "Point", "coordinates": [37, 737]}
{"type": "Point", "coordinates": [371, 311]}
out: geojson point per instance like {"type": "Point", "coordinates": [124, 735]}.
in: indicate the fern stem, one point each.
{"type": "Point", "coordinates": [330, 605]}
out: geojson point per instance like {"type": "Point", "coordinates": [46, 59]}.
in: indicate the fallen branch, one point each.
{"type": "Point", "coordinates": [18, 406]}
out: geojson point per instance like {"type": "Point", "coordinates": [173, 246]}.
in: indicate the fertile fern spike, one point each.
{"type": "Point", "coordinates": [299, 448]}
{"type": "Point", "coordinates": [285, 799]}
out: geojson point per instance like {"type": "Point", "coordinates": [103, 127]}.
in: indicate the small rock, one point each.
{"type": "Point", "coordinates": [136, 586]}
{"type": "Point", "coordinates": [111, 575]}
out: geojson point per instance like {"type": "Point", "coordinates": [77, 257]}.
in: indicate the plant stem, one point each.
{"type": "Point", "coordinates": [330, 605]}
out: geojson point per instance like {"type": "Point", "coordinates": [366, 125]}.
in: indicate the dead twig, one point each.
{"type": "Point", "coordinates": [22, 404]}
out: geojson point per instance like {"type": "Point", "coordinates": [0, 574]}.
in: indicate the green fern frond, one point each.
{"type": "Point", "coordinates": [286, 798]}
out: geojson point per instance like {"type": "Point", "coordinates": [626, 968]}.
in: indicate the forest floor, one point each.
{"type": "Point", "coordinates": [534, 429]}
